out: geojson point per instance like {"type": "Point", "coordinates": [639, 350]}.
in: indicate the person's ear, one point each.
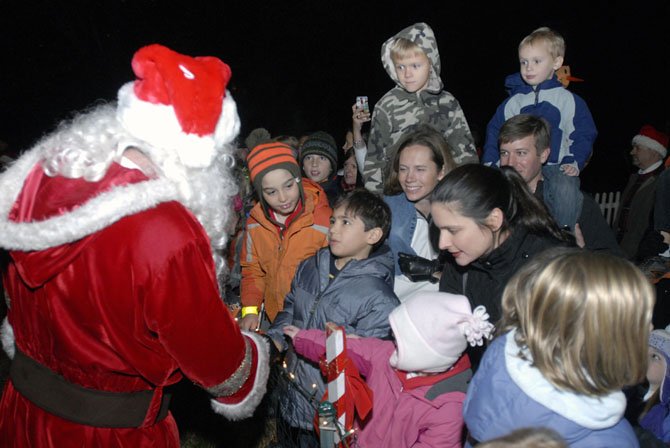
{"type": "Point", "coordinates": [495, 219]}
{"type": "Point", "coordinates": [442, 172]}
{"type": "Point", "coordinates": [544, 155]}
{"type": "Point", "coordinates": [558, 62]}
{"type": "Point", "coordinates": [374, 235]}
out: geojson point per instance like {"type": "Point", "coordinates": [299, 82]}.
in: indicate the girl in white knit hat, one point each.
{"type": "Point", "coordinates": [419, 382]}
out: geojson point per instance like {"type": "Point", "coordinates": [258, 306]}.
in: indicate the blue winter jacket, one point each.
{"type": "Point", "coordinates": [403, 224]}
{"type": "Point", "coordinates": [360, 298]}
{"type": "Point", "coordinates": [572, 128]}
{"type": "Point", "coordinates": [496, 404]}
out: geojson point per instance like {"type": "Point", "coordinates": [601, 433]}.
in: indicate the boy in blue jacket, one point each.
{"type": "Point", "coordinates": [536, 90]}
{"type": "Point", "coordinates": [349, 283]}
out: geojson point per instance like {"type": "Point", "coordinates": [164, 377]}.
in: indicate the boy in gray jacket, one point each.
{"type": "Point", "coordinates": [349, 283]}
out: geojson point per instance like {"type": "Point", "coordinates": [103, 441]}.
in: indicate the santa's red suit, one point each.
{"type": "Point", "coordinates": [112, 291]}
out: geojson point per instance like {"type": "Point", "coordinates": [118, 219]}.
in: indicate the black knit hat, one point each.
{"type": "Point", "coordinates": [323, 144]}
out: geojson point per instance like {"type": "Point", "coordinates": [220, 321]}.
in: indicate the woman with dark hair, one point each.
{"type": "Point", "coordinates": [422, 159]}
{"type": "Point", "coordinates": [350, 178]}
{"type": "Point", "coordinates": [491, 224]}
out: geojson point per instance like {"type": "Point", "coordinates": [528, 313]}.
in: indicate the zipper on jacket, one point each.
{"type": "Point", "coordinates": [537, 94]}
{"type": "Point", "coordinates": [312, 311]}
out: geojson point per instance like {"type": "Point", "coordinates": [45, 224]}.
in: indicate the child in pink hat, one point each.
{"type": "Point", "coordinates": [418, 382]}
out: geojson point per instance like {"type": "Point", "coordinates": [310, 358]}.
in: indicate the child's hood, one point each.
{"type": "Point", "coordinates": [422, 35]}
{"type": "Point", "coordinates": [590, 412]}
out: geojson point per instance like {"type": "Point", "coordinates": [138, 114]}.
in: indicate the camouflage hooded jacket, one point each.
{"type": "Point", "coordinates": [398, 111]}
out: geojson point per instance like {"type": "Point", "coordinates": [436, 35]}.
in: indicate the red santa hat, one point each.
{"type": "Point", "coordinates": [653, 139]}
{"type": "Point", "coordinates": [179, 104]}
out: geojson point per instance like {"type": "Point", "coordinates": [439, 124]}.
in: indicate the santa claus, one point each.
{"type": "Point", "coordinates": [111, 224]}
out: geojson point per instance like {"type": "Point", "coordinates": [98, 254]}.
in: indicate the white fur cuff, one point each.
{"type": "Point", "coordinates": [246, 407]}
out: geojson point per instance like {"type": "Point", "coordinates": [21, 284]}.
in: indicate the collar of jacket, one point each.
{"type": "Point", "coordinates": [499, 259]}
{"type": "Point", "coordinates": [96, 212]}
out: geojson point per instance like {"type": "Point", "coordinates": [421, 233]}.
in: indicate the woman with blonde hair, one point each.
{"type": "Point", "coordinates": [574, 332]}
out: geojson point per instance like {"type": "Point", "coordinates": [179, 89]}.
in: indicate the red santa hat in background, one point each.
{"type": "Point", "coordinates": [179, 104]}
{"type": "Point", "coordinates": [653, 139]}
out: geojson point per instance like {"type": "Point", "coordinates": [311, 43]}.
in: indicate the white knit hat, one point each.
{"type": "Point", "coordinates": [179, 104]}
{"type": "Point", "coordinates": [432, 330]}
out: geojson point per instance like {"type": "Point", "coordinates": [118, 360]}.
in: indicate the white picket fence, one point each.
{"type": "Point", "coordinates": [609, 205]}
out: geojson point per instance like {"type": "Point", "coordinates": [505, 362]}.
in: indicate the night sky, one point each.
{"type": "Point", "coordinates": [298, 66]}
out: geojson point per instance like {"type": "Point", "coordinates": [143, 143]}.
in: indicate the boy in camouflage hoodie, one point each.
{"type": "Point", "coordinates": [412, 60]}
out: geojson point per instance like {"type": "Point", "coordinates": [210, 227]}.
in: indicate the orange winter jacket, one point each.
{"type": "Point", "coordinates": [269, 261]}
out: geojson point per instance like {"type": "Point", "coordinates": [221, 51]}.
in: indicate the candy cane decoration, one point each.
{"type": "Point", "coordinates": [336, 349]}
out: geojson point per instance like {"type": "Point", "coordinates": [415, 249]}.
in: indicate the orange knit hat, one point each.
{"type": "Point", "coordinates": [270, 156]}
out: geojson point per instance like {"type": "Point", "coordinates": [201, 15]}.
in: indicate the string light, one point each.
{"type": "Point", "coordinates": [311, 397]}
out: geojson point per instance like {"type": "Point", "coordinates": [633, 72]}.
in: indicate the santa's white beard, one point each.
{"type": "Point", "coordinates": [86, 146]}
{"type": "Point", "coordinates": [207, 193]}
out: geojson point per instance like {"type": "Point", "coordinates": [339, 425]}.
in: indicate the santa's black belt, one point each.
{"type": "Point", "coordinates": [56, 395]}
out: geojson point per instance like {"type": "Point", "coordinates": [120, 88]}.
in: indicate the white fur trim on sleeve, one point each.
{"type": "Point", "coordinates": [245, 408]}
{"type": "Point", "coordinates": [7, 338]}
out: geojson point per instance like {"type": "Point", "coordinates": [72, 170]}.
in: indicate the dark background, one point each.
{"type": "Point", "coordinates": [298, 66]}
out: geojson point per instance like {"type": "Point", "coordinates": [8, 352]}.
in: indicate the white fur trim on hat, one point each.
{"type": "Point", "coordinates": [157, 125]}
{"type": "Point", "coordinates": [650, 143]}
{"type": "Point", "coordinates": [247, 406]}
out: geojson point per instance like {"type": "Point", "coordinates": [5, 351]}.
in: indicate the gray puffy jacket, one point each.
{"type": "Point", "coordinates": [360, 298]}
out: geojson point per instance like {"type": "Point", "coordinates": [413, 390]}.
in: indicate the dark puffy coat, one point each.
{"type": "Point", "coordinates": [360, 298]}
{"type": "Point", "coordinates": [487, 277]}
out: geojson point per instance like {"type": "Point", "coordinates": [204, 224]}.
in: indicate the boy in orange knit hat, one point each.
{"type": "Point", "coordinates": [288, 224]}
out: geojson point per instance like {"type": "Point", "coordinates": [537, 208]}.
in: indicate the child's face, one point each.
{"type": "Point", "coordinates": [463, 237]}
{"type": "Point", "coordinates": [656, 368]}
{"type": "Point", "coordinates": [347, 237]}
{"type": "Point", "coordinates": [536, 63]}
{"type": "Point", "coordinates": [418, 173]}
{"type": "Point", "coordinates": [413, 71]}
{"type": "Point", "coordinates": [281, 191]}
{"type": "Point", "coordinates": [316, 167]}
{"type": "Point", "coordinates": [350, 170]}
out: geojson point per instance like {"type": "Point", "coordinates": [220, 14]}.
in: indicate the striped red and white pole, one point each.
{"type": "Point", "coordinates": [336, 354]}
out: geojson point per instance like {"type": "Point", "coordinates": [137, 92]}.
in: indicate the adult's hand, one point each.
{"type": "Point", "coordinates": [358, 118]}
